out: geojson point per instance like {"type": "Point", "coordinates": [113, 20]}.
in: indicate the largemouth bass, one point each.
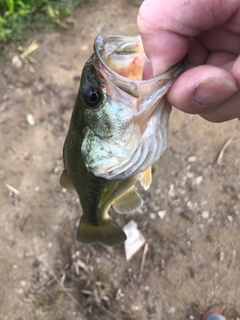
{"type": "Point", "coordinates": [117, 130]}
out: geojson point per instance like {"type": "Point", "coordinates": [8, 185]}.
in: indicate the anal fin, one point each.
{"type": "Point", "coordinates": [146, 178]}
{"type": "Point", "coordinates": [128, 202]}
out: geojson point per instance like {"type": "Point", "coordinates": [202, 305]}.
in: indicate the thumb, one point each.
{"type": "Point", "coordinates": [166, 25]}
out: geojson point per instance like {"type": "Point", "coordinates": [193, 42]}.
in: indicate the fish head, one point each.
{"type": "Point", "coordinates": [124, 118]}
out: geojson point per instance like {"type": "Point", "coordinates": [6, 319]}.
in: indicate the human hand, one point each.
{"type": "Point", "coordinates": [209, 32]}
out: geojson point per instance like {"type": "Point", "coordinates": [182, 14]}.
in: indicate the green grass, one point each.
{"type": "Point", "coordinates": [16, 16]}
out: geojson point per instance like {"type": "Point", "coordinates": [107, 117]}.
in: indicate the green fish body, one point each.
{"type": "Point", "coordinates": [117, 130]}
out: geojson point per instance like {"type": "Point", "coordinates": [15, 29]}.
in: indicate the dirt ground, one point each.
{"type": "Point", "coordinates": [193, 258]}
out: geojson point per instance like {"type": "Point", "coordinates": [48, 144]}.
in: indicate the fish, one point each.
{"type": "Point", "coordinates": [118, 129]}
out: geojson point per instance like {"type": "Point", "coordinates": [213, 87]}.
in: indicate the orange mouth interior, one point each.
{"type": "Point", "coordinates": [127, 60]}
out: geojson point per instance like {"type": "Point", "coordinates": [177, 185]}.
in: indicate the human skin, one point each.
{"type": "Point", "coordinates": [208, 31]}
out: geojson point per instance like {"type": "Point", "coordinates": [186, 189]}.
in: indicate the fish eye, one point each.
{"type": "Point", "coordinates": [92, 96]}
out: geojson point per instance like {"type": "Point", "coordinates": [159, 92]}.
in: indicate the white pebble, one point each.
{"type": "Point", "coordinates": [205, 214]}
{"type": "Point", "coordinates": [19, 291]}
{"type": "Point", "coordinates": [134, 308]}
{"type": "Point", "coordinates": [172, 310]}
{"type": "Point", "coordinates": [16, 62]}
{"type": "Point", "coordinates": [161, 214]}
{"type": "Point", "coordinates": [23, 283]}
{"type": "Point", "coordinates": [49, 244]}
{"type": "Point", "coordinates": [192, 159]}
{"type": "Point", "coordinates": [152, 216]}
{"type": "Point", "coordinates": [221, 256]}
{"type": "Point", "coordinates": [30, 120]}
{"type": "Point", "coordinates": [171, 191]}
{"type": "Point", "coordinates": [84, 47]}
{"type": "Point", "coordinates": [198, 180]}
{"type": "Point", "coordinates": [230, 218]}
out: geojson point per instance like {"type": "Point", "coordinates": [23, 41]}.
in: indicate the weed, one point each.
{"type": "Point", "coordinates": [19, 15]}
{"type": "Point", "coordinates": [42, 303]}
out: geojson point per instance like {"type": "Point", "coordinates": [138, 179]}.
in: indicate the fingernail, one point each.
{"type": "Point", "coordinates": [214, 91]}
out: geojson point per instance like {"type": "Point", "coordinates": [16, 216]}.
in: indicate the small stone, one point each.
{"type": "Point", "coordinates": [30, 120]}
{"type": "Point", "coordinates": [171, 191]}
{"type": "Point", "coordinates": [152, 216]}
{"type": "Point", "coordinates": [205, 214]}
{"type": "Point", "coordinates": [190, 205]}
{"type": "Point", "coordinates": [36, 263]}
{"type": "Point", "coordinates": [119, 295]}
{"type": "Point", "coordinates": [134, 308]}
{"type": "Point", "coordinates": [97, 260]}
{"type": "Point", "coordinates": [84, 47]}
{"type": "Point", "coordinates": [172, 310]}
{"type": "Point", "coordinates": [161, 214]}
{"type": "Point", "coordinates": [198, 180]}
{"type": "Point", "coordinates": [221, 256]}
{"type": "Point", "coordinates": [192, 159]}
{"type": "Point", "coordinates": [10, 194]}
{"type": "Point", "coordinates": [230, 218]}
{"type": "Point", "coordinates": [16, 62]}
{"type": "Point", "coordinates": [56, 170]}
{"type": "Point", "coordinates": [23, 283]}
{"type": "Point", "coordinates": [36, 189]}
{"type": "Point", "coordinates": [19, 291]}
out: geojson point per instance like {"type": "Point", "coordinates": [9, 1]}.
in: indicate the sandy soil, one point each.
{"type": "Point", "coordinates": [193, 258]}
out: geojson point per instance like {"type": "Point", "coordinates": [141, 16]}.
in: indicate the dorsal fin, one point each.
{"type": "Point", "coordinates": [128, 202]}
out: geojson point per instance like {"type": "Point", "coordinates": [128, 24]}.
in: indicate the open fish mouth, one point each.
{"type": "Point", "coordinates": [136, 110]}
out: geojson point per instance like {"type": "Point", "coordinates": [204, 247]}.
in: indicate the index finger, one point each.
{"type": "Point", "coordinates": [166, 25]}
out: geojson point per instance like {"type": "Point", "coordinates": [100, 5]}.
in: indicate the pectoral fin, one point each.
{"type": "Point", "coordinates": [65, 181]}
{"type": "Point", "coordinates": [146, 179]}
{"type": "Point", "coordinates": [110, 187]}
{"type": "Point", "coordinates": [106, 232]}
{"type": "Point", "coordinates": [128, 202]}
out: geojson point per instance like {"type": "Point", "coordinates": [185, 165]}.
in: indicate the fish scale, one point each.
{"type": "Point", "coordinates": [118, 129]}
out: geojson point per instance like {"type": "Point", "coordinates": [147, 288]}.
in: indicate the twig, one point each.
{"type": "Point", "coordinates": [53, 280]}
{"type": "Point", "coordinates": [12, 189]}
{"type": "Point", "coordinates": [226, 145]}
{"type": "Point", "coordinates": [61, 285]}
{"type": "Point", "coordinates": [109, 313]}
{"type": "Point", "coordinates": [145, 250]}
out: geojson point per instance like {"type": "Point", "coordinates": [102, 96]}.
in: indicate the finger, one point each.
{"type": "Point", "coordinates": [228, 110]}
{"type": "Point", "coordinates": [201, 88]}
{"type": "Point", "coordinates": [224, 60]}
{"type": "Point", "coordinates": [166, 25]}
{"type": "Point", "coordinates": [236, 71]}
{"type": "Point", "coordinates": [220, 39]}
{"type": "Point", "coordinates": [198, 54]}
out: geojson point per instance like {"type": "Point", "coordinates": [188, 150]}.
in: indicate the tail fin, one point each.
{"type": "Point", "coordinates": [107, 232]}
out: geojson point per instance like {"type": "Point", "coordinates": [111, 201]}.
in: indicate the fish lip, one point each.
{"type": "Point", "coordinates": [99, 44]}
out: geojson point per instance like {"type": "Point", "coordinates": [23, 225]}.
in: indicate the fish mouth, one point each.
{"type": "Point", "coordinates": [113, 50]}
{"type": "Point", "coordinates": [120, 61]}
